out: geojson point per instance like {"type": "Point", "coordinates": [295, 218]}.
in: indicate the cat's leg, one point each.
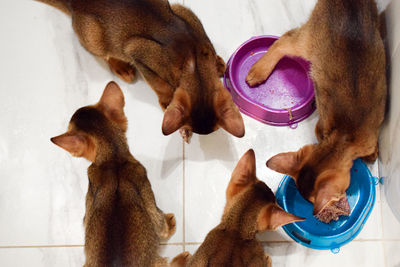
{"type": "Point", "coordinates": [290, 44]}
{"type": "Point", "coordinates": [162, 88]}
{"type": "Point", "coordinates": [181, 260]}
{"type": "Point", "coordinates": [221, 66]}
{"type": "Point", "coordinates": [161, 262]}
{"type": "Point", "coordinates": [318, 131]}
{"type": "Point", "coordinates": [268, 260]}
{"type": "Point", "coordinates": [152, 55]}
{"type": "Point", "coordinates": [122, 69]}
{"type": "Point", "coordinates": [169, 226]}
{"type": "Point", "coordinates": [92, 35]}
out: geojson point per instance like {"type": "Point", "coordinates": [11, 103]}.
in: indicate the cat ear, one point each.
{"type": "Point", "coordinates": [272, 216]}
{"type": "Point", "coordinates": [243, 174]}
{"type": "Point", "coordinates": [74, 144]}
{"type": "Point", "coordinates": [112, 104]}
{"type": "Point", "coordinates": [331, 189]}
{"type": "Point", "coordinates": [229, 117]}
{"type": "Point", "coordinates": [289, 163]}
{"type": "Point", "coordinates": [173, 120]}
{"type": "Point", "coordinates": [176, 112]}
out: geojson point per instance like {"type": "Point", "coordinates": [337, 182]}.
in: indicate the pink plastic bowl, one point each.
{"type": "Point", "coordinates": [285, 98]}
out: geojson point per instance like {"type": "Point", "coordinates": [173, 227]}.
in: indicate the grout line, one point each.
{"type": "Point", "coordinates": [183, 196]}
{"type": "Point", "coordinates": [185, 243]}
{"type": "Point", "coordinates": [172, 244]}
{"type": "Point", "coordinates": [381, 191]}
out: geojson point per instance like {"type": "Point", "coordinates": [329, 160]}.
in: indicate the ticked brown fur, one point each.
{"type": "Point", "coordinates": [123, 225]}
{"type": "Point", "coordinates": [250, 208]}
{"type": "Point", "coordinates": [343, 43]}
{"type": "Point", "coordinates": [168, 45]}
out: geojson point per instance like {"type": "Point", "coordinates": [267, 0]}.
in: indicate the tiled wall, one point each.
{"type": "Point", "coordinates": [46, 75]}
{"type": "Point", "coordinates": [390, 143]}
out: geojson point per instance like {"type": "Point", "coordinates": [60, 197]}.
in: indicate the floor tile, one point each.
{"type": "Point", "coordinates": [390, 223]}
{"type": "Point", "coordinates": [43, 188]}
{"type": "Point", "coordinates": [392, 255]}
{"type": "Point", "coordinates": [244, 19]}
{"type": "Point", "coordinates": [365, 253]}
{"type": "Point", "coordinates": [44, 257]}
{"type": "Point", "coordinates": [372, 229]}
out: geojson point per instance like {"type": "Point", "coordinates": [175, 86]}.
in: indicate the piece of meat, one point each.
{"type": "Point", "coordinates": [334, 210]}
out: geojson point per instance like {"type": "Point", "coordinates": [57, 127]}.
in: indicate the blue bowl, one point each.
{"type": "Point", "coordinates": [315, 234]}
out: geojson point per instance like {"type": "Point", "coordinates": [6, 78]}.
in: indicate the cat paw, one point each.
{"type": "Point", "coordinates": [221, 66]}
{"type": "Point", "coordinates": [181, 260]}
{"type": "Point", "coordinates": [371, 158]}
{"type": "Point", "coordinates": [269, 260]}
{"type": "Point", "coordinates": [170, 226]}
{"type": "Point", "coordinates": [123, 70]}
{"type": "Point", "coordinates": [256, 75]}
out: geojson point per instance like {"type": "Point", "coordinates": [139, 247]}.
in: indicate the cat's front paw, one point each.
{"type": "Point", "coordinates": [171, 225]}
{"type": "Point", "coordinates": [123, 70]}
{"type": "Point", "coordinates": [256, 75]}
{"type": "Point", "coordinates": [181, 260]}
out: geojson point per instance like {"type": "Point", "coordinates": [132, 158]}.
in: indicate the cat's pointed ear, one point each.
{"type": "Point", "coordinates": [112, 104]}
{"type": "Point", "coordinates": [243, 174]}
{"type": "Point", "coordinates": [76, 144]}
{"type": "Point", "coordinates": [173, 120]}
{"type": "Point", "coordinates": [272, 216]}
{"type": "Point", "coordinates": [290, 162]}
{"type": "Point", "coordinates": [176, 112]}
{"type": "Point", "coordinates": [331, 189]}
{"type": "Point", "coordinates": [229, 117]}
{"type": "Point", "coordinates": [73, 143]}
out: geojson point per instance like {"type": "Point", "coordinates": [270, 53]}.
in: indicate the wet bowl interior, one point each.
{"type": "Point", "coordinates": [318, 235]}
{"type": "Point", "coordinates": [286, 97]}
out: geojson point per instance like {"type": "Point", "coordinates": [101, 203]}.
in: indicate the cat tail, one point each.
{"type": "Point", "coordinates": [62, 5]}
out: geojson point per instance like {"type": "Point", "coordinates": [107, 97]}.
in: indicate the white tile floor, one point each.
{"type": "Point", "coordinates": [46, 75]}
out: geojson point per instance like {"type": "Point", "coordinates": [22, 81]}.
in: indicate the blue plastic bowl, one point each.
{"type": "Point", "coordinates": [315, 234]}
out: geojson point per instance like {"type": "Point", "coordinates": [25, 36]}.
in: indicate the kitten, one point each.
{"type": "Point", "coordinates": [168, 45]}
{"type": "Point", "coordinates": [250, 208]}
{"type": "Point", "coordinates": [123, 225]}
{"type": "Point", "coordinates": [343, 43]}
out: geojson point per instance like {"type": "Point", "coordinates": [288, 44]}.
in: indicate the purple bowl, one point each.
{"type": "Point", "coordinates": [285, 98]}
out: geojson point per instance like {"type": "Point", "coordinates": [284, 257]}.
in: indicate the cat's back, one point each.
{"type": "Point", "coordinates": [227, 248]}
{"type": "Point", "coordinates": [138, 13]}
{"type": "Point", "coordinates": [348, 59]}
{"type": "Point", "coordinates": [119, 230]}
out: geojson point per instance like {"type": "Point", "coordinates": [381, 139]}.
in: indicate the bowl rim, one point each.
{"type": "Point", "coordinates": [248, 101]}
{"type": "Point", "coordinates": [364, 215]}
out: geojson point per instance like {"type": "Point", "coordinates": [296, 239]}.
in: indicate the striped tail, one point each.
{"type": "Point", "coordinates": [62, 5]}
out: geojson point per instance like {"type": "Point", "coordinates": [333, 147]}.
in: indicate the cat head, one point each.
{"type": "Point", "coordinates": [320, 176]}
{"type": "Point", "coordinates": [246, 194]}
{"type": "Point", "coordinates": [201, 104]}
{"type": "Point", "coordinates": [97, 130]}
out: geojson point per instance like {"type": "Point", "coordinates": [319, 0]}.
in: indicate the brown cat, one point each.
{"type": "Point", "coordinates": [343, 43]}
{"type": "Point", "coordinates": [168, 45]}
{"type": "Point", "coordinates": [250, 208]}
{"type": "Point", "coordinates": [123, 225]}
